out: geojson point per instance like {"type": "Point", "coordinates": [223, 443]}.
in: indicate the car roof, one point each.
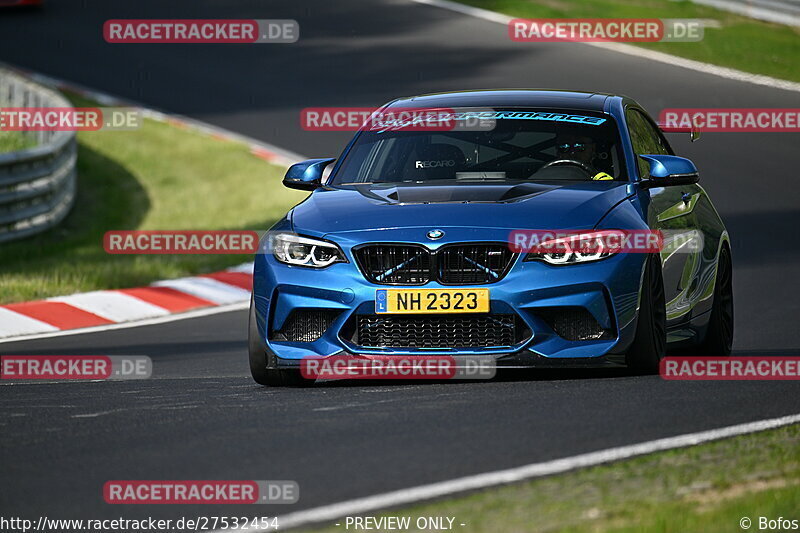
{"type": "Point", "coordinates": [509, 97]}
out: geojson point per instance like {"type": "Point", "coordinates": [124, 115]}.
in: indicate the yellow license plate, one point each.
{"type": "Point", "coordinates": [399, 301]}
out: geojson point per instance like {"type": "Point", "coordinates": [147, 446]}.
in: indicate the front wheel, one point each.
{"type": "Point", "coordinates": [650, 342]}
{"type": "Point", "coordinates": [260, 360]}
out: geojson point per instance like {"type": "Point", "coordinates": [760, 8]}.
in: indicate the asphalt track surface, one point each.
{"type": "Point", "coordinates": [201, 417]}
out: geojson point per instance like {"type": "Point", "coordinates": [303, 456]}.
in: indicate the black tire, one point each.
{"type": "Point", "coordinates": [261, 360]}
{"type": "Point", "coordinates": [719, 336]}
{"type": "Point", "coordinates": [650, 341]}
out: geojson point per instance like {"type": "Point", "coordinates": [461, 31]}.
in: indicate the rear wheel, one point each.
{"type": "Point", "coordinates": [650, 342]}
{"type": "Point", "coordinates": [719, 337]}
{"type": "Point", "coordinates": [260, 360]}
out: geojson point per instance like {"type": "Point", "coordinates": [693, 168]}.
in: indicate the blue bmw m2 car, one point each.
{"type": "Point", "coordinates": [404, 247]}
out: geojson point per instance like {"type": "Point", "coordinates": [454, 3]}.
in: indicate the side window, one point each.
{"type": "Point", "coordinates": [659, 143]}
{"type": "Point", "coordinates": [645, 139]}
{"type": "Point", "coordinates": [640, 139]}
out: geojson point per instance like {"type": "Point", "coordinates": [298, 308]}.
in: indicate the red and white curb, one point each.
{"type": "Point", "coordinates": [159, 302]}
{"type": "Point", "coordinates": [103, 308]}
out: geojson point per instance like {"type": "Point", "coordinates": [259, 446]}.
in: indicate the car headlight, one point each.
{"type": "Point", "coordinates": [577, 248]}
{"type": "Point", "coordinates": [303, 251]}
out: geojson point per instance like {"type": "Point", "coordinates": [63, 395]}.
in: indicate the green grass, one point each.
{"type": "Point", "coordinates": [156, 178]}
{"type": "Point", "coordinates": [11, 141]}
{"type": "Point", "coordinates": [704, 488]}
{"type": "Point", "coordinates": [741, 43]}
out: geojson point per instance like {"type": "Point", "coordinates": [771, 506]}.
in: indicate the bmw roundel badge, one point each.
{"type": "Point", "coordinates": [435, 234]}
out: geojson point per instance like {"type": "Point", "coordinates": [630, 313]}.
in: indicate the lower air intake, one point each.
{"type": "Point", "coordinates": [442, 331]}
{"type": "Point", "coordinates": [575, 324]}
{"type": "Point", "coordinates": [305, 325]}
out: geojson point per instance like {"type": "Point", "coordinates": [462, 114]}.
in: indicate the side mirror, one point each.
{"type": "Point", "coordinates": [666, 170]}
{"type": "Point", "coordinates": [306, 175]}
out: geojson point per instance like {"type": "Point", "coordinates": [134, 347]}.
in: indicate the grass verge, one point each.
{"type": "Point", "coordinates": [158, 177]}
{"type": "Point", "coordinates": [11, 141]}
{"type": "Point", "coordinates": [709, 487]}
{"type": "Point", "coordinates": [741, 43]}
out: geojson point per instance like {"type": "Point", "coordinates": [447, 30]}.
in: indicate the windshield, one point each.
{"type": "Point", "coordinates": [520, 145]}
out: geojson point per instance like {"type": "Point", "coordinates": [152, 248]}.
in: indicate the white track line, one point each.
{"type": "Point", "coordinates": [698, 66]}
{"type": "Point", "coordinates": [500, 477]}
{"type": "Point", "coordinates": [777, 12]}
{"type": "Point", "coordinates": [412, 495]}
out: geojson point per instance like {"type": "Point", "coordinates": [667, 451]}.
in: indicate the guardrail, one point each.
{"type": "Point", "coordinates": [37, 184]}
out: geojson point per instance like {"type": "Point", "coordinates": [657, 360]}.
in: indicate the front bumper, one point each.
{"type": "Point", "coordinates": [607, 289]}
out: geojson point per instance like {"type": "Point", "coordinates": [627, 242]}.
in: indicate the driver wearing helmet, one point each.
{"type": "Point", "coordinates": [581, 149]}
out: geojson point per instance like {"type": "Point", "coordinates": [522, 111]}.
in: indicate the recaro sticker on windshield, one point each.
{"type": "Point", "coordinates": [435, 164]}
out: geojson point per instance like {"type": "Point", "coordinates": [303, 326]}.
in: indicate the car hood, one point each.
{"type": "Point", "coordinates": [572, 205]}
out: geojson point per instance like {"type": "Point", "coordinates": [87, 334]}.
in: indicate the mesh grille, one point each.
{"type": "Point", "coordinates": [444, 331]}
{"type": "Point", "coordinates": [575, 324]}
{"type": "Point", "coordinates": [306, 325]}
{"type": "Point", "coordinates": [396, 264]}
